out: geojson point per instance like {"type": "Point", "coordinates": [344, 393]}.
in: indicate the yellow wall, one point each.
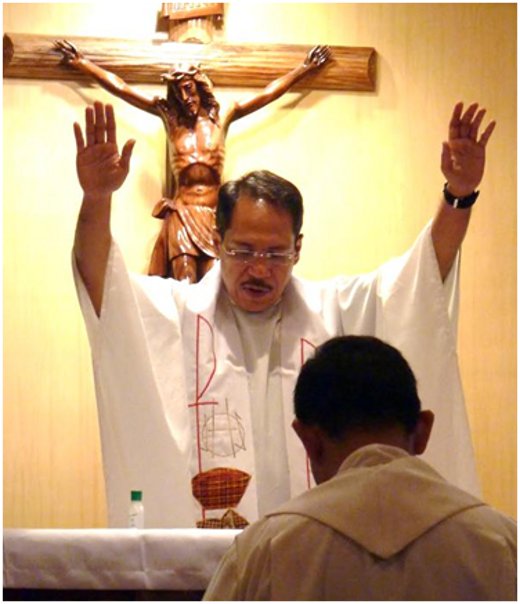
{"type": "Point", "coordinates": [367, 164]}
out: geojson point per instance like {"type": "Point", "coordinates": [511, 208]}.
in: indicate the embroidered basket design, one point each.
{"type": "Point", "coordinates": [230, 520]}
{"type": "Point", "coordinates": [220, 488]}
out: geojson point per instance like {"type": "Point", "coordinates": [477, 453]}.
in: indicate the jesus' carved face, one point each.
{"type": "Point", "coordinates": [188, 94]}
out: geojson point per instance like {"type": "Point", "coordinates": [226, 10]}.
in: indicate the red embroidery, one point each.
{"type": "Point", "coordinates": [218, 488]}
{"type": "Point", "coordinates": [200, 391]}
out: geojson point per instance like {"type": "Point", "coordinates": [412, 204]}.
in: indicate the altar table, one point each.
{"type": "Point", "coordinates": [111, 564]}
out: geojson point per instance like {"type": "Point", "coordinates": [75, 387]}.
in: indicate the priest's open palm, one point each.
{"type": "Point", "coordinates": [101, 169]}
{"type": "Point", "coordinates": [464, 154]}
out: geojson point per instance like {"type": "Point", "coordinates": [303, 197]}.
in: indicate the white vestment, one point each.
{"type": "Point", "coordinates": [173, 389]}
{"type": "Point", "coordinates": [386, 527]}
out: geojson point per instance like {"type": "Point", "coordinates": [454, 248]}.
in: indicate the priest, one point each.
{"type": "Point", "coordinates": [194, 382]}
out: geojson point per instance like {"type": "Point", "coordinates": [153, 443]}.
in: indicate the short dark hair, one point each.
{"type": "Point", "coordinates": [260, 184]}
{"type": "Point", "coordinates": [355, 382]}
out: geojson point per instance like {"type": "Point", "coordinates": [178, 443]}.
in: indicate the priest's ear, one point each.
{"type": "Point", "coordinates": [311, 438]}
{"type": "Point", "coordinates": [421, 434]}
{"type": "Point", "coordinates": [217, 240]}
{"type": "Point", "coordinates": [298, 247]}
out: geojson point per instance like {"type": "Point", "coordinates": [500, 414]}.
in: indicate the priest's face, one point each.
{"type": "Point", "coordinates": [257, 254]}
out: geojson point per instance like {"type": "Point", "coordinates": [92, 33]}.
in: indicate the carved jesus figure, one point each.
{"type": "Point", "coordinates": [196, 142]}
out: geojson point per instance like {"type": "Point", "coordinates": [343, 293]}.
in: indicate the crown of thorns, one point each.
{"type": "Point", "coordinates": [190, 71]}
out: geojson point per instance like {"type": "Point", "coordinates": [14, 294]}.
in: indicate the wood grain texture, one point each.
{"type": "Point", "coordinates": [235, 65]}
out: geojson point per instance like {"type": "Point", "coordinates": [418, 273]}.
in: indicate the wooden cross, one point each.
{"type": "Point", "coordinates": [30, 56]}
{"type": "Point", "coordinates": [227, 65]}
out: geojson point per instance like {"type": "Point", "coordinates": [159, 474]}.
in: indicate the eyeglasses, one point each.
{"type": "Point", "coordinates": [249, 257]}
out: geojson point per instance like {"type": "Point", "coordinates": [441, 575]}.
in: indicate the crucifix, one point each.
{"type": "Point", "coordinates": [190, 113]}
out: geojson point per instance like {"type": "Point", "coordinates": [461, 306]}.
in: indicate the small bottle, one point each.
{"type": "Point", "coordinates": [136, 512]}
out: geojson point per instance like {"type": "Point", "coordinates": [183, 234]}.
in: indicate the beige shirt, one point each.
{"type": "Point", "coordinates": [386, 527]}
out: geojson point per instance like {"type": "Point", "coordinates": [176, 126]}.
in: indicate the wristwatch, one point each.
{"type": "Point", "coordinates": [461, 203]}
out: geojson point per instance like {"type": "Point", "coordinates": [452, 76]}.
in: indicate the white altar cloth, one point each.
{"type": "Point", "coordinates": [150, 559]}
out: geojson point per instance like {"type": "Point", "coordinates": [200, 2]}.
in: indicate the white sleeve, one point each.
{"type": "Point", "coordinates": [406, 303]}
{"type": "Point", "coordinates": [138, 360]}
